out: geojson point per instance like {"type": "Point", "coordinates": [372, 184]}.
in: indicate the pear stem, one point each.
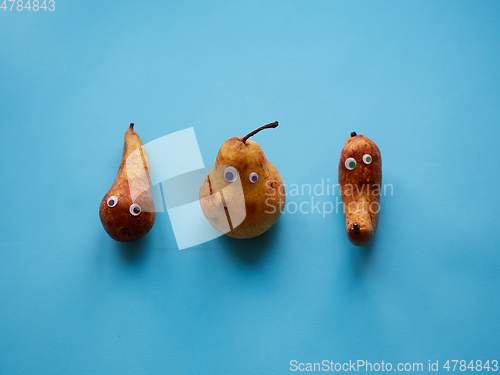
{"type": "Point", "coordinates": [131, 125]}
{"type": "Point", "coordinates": [268, 126]}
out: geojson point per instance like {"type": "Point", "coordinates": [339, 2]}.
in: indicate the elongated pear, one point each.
{"type": "Point", "coordinates": [127, 210]}
{"type": "Point", "coordinates": [243, 195]}
{"type": "Point", "coordinates": [360, 177]}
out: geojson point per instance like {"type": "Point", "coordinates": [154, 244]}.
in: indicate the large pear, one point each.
{"type": "Point", "coordinates": [243, 195]}
{"type": "Point", "coordinates": [127, 210]}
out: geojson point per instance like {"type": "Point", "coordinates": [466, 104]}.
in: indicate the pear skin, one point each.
{"type": "Point", "coordinates": [127, 211]}
{"type": "Point", "coordinates": [360, 179]}
{"type": "Point", "coordinates": [263, 196]}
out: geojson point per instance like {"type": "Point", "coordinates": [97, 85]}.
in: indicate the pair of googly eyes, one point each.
{"type": "Point", "coordinates": [231, 174]}
{"type": "Point", "coordinates": [134, 208]}
{"type": "Point", "coordinates": [350, 163]}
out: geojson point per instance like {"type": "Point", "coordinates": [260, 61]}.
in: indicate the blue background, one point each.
{"type": "Point", "coordinates": [420, 78]}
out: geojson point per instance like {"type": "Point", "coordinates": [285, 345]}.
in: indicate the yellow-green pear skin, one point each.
{"type": "Point", "coordinates": [118, 211]}
{"type": "Point", "coordinates": [250, 205]}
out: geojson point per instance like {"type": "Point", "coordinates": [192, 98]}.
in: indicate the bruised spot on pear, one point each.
{"type": "Point", "coordinates": [360, 178]}
{"type": "Point", "coordinates": [127, 211]}
{"type": "Point", "coordinates": [263, 197]}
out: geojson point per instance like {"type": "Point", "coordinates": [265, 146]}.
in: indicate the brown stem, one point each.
{"type": "Point", "coordinates": [268, 126]}
{"type": "Point", "coordinates": [132, 125]}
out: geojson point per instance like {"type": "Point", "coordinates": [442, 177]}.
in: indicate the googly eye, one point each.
{"type": "Point", "coordinates": [112, 201]}
{"type": "Point", "coordinates": [350, 163]}
{"type": "Point", "coordinates": [230, 174]}
{"type": "Point", "coordinates": [253, 177]}
{"type": "Point", "coordinates": [135, 209]}
{"type": "Point", "coordinates": [367, 159]}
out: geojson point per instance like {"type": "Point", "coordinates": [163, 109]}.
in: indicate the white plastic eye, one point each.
{"type": "Point", "coordinates": [135, 209]}
{"type": "Point", "coordinates": [350, 163]}
{"type": "Point", "coordinates": [112, 201]}
{"type": "Point", "coordinates": [230, 174]}
{"type": "Point", "coordinates": [367, 159]}
{"type": "Point", "coordinates": [253, 177]}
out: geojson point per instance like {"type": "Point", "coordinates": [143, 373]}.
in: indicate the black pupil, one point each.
{"type": "Point", "coordinates": [137, 210]}
{"type": "Point", "coordinates": [111, 202]}
{"type": "Point", "coordinates": [254, 178]}
{"type": "Point", "coordinates": [229, 176]}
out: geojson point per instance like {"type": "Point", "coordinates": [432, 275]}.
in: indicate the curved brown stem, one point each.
{"type": "Point", "coordinates": [268, 126]}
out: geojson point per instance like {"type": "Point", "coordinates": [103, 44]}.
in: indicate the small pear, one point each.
{"type": "Point", "coordinates": [360, 178]}
{"type": "Point", "coordinates": [127, 210]}
{"type": "Point", "coordinates": [243, 195]}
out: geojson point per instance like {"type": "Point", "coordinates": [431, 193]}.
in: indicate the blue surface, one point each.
{"type": "Point", "coordinates": [420, 78]}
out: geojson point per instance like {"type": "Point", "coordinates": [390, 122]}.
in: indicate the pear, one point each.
{"type": "Point", "coordinates": [360, 178]}
{"type": "Point", "coordinates": [243, 195]}
{"type": "Point", "coordinates": [127, 210]}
